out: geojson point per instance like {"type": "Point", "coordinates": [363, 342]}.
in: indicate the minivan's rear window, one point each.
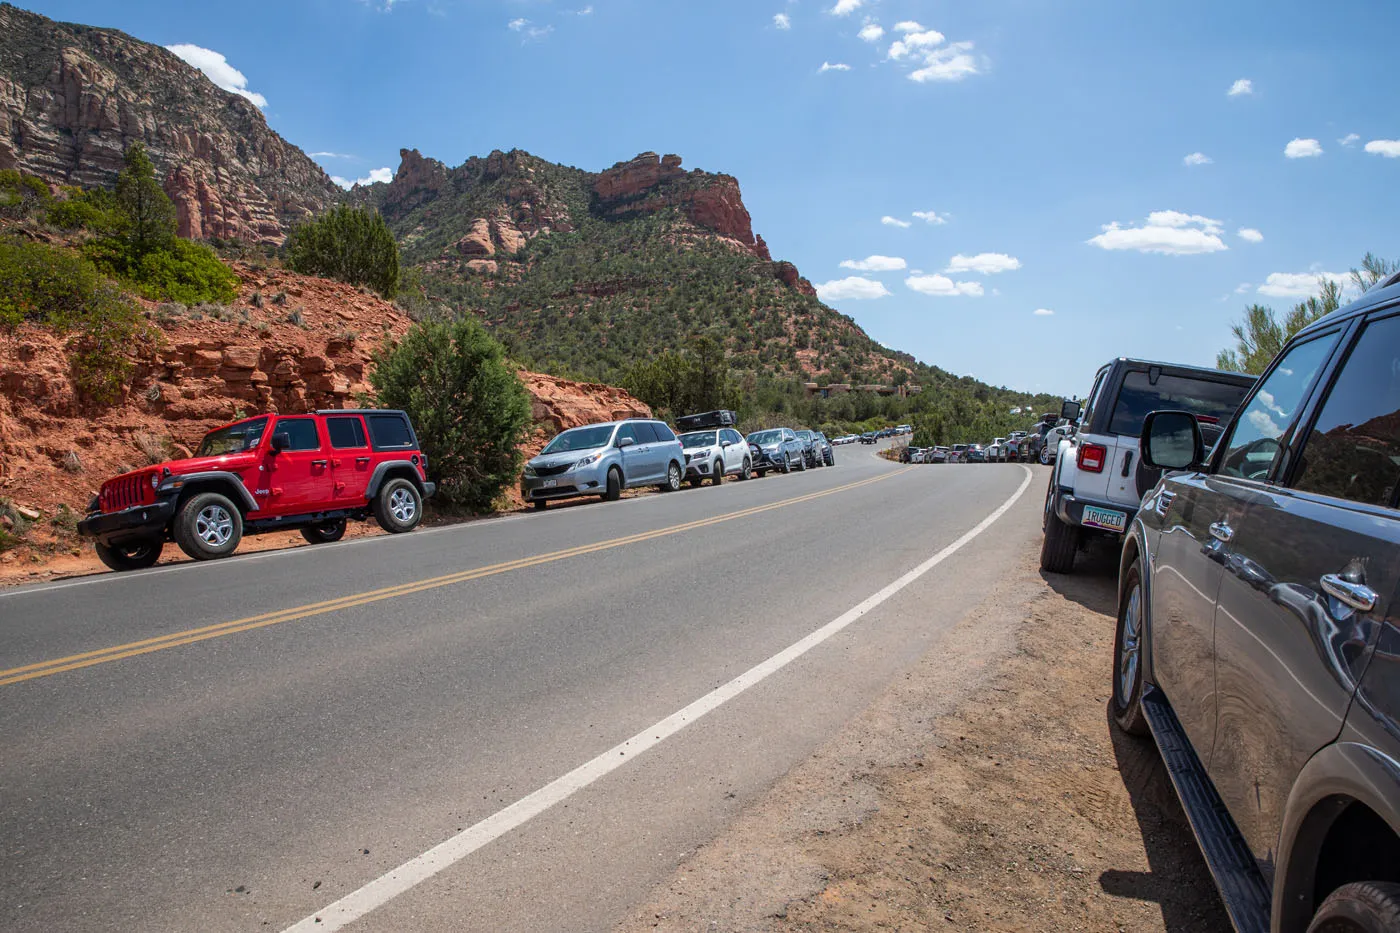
{"type": "Point", "coordinates": [663, 433]}
{"type": "Point", "coordinates": [1201, 397]}
{"type": "Point", "coordinates": [389, 432]}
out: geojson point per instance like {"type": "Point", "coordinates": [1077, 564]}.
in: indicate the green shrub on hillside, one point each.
{"type": "Point", "coordinates": [350, 244]}
{"type": "Point", "coordinates": [22, 196]}
{"type": "Point", "coordinates": [187, 272]}
{"type": "Point", "coordinates": [466, 402]}
{"type": "Point", "coordinates": [62, 290]}
{"type": "Point", "coordinates": [93, 210]}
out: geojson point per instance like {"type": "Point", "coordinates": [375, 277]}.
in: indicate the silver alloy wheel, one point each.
{"type": "Point", "coordinates": [214, 525]}
{"type": "Point", "coordinates": [1045, 455]}
{"type": "Point", "coordinates": [673, 477]}
{"type": "Point", "coordinates": [402, 506]}
{"type": "Point", "coordinates": [1130, 646]}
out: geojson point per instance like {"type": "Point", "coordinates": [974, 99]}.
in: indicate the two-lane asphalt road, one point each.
{"type": "Point", "coordinates": [515, 724]}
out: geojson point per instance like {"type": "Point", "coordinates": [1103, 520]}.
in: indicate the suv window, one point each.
{"type": "Point", "coordinates": [663, 433]}
{"type": "Point", "coordinates": [734, 437]}
{"type": "Point", "coordinates": [1353, 451]}
{"type": "Point", "coordinates": [390, 432]}
{"type": "Point", "coordinates": [302, 432]}
{"type": "Point", "coordinates": [646, 434]}
{"type": "Point", "coordinates": [1088, 413]}
{"type": "Point", "coordinates": [1210, 401]}
{"type": "Point", "coordinates": [345, 431]}
{"type": "Point", "coordinates": [627, 430]}
{"type": "Point", "coordinates": [1256, 438]}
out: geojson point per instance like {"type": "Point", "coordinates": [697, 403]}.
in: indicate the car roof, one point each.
{"type": "Point", "coordinates": [1387, 289]}
{"type": "Point", "coordinates": [1185, 369]}
{"type": "Point", "coordinates": [359, 411]}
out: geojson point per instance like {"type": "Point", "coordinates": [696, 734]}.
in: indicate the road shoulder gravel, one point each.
{"type": "Point", "coordinates": [1016, 808]}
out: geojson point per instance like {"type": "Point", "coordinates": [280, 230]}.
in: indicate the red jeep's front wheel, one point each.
{"type": "Point", "coordinates": [208, 526]}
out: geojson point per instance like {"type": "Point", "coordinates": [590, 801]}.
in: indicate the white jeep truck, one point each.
{"type": "Point", "coordinates": [1099, 480]}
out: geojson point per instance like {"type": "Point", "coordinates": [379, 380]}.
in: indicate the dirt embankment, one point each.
{"type": "Point", "coordinates": [1019, 809]}
{"type": "Point", "coordinates": [290, 343]}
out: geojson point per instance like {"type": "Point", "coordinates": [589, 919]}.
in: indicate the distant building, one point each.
{"type": "Point", "coordinates": [813, 390]}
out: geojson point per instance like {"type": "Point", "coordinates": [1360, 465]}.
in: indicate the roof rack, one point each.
{"type": "Point", "coordinates": [709, 419]}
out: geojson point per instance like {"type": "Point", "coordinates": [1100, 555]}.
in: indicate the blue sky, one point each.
{"type": "Point", "coordinates": [1021, 130]}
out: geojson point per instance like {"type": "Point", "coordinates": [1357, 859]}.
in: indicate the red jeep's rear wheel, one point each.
{"type": "Point", "coordinates": [325, 532]}
{"type": "Point", "coordinates": [136, 556]}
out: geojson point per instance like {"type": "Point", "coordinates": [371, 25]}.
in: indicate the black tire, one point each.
{"type": "Point", "coordinates": [762, 473]}
{"type": "Point", "coordinates": [540, 504]}
{"type": "Point", "coordinates": [614, 490]}
{"type": "Point", "coordinates": [208, 526]}
{"type": "Point", "coordinates": [787, 463]}
{"type": "Point", "coordinates": [717, 473]}
{"type": "Point", "coordinates": [1359, 907]}
{"type": "Point", "coordinates": [324, 533]}
{"type": "Point", "coordinates": [674, 474]}
{"type": "Point", "coordinates": [802, 463]}
{"type": "Point", "coordinates": [747, 471]}
{"type": "Point", "coordinates": [399, 506]}
{"type": "Point", "coordinates": [137, 556]}
{"type": "Point", "coordinates": [1060, 544]}
{"type": "Point", "coordinates": [1045, 455]}
{"type": "Point", "coordinates": [695, 483]}
{"type": "Point", "coordinates": [1126, 699]}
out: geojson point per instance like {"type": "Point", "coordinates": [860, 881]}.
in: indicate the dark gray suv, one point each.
{"type": "Point", "coordinates": [1259, 629]}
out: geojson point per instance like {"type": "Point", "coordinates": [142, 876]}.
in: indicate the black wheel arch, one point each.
{"type": "Point", "coordinates": [393, 469]}
{"type": "Point", "coordinates": [227, 485]}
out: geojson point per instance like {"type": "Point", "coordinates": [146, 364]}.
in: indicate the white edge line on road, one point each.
{"type": "Point", "coordinates": [386, 887]}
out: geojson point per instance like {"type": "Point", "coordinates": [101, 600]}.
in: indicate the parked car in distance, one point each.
{"type": "Point", "coordinates": [995, 451]}
{"type": "Point", "coordinates": [937, 455]}
{"type": "Point", "coordinates": [1011, 451]}
{"type": "Point", "coordinates": [1035, 440]}
{"type": "Point", "coordinates": [909, 454]}
{"type": "Point", "coordinates": [1050, 444]}
{"type": "Point", "coordinates": [776, 449]}
{"type": "Point", "coordinates": [828, 456]}
{"type": "Point", "coordinates": [312, 472]}
{"type": "Point", "coordinates": [809, 448]}
{"type": "Point", "coordinates": [715, 453]}
{"type": "Point", "coordinates": [1099, 478]}
{"type": "Point", "coordinates": [604, 459]}
{"type": "Point", "coordinates": [868, 437]}
{"type": "Point", "coordinates": [958, 454]}
{"type": "Point", "coordinates": [975, 453]}
{"type": "Point", "coordinates": [1258, 632]}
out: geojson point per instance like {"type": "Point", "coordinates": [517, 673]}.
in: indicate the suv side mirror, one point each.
{"type": "Point", "coordinates": [625, 442]}
{"type": "Point", "coordinates": [1070, 411]}
{"type": "Point", "coordinates": [1171, 440]}
{"type": "Point", "coordinates": [281, 441]}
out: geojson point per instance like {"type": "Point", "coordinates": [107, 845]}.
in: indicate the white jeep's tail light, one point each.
{"type": "Point", "coordinates": [1092, 457]}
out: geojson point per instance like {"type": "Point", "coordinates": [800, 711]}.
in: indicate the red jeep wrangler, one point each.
{"type": "Point", "coordinates": [272, 472]}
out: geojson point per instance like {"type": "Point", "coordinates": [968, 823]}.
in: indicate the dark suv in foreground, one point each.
{"type": "Point", "coordinates": [1258, 632]}
{"type": "Point", "coordinates": [312, 472]}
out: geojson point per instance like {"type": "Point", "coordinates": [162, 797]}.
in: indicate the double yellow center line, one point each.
{"type": "Point", "coordinates": [189, 636]}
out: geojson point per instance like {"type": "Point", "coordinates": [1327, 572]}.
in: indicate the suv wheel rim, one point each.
{"type": "Point", "coordinates": [674, 477]}
{"type": "Point", "coordinates": [214, 525]}
{"type": "Point", "coordinates": [402, 506]}
{"type": "Point", "coordinates": [1130, 648]}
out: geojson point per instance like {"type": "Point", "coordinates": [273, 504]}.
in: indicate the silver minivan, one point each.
{"type": "Point", "coordinates": [604, 459]}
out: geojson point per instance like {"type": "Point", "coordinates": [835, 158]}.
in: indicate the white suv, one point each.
{"type": "Point", "coordinates": [715, 453]}
{"type": "Point", "coordinates": [1099, 479]}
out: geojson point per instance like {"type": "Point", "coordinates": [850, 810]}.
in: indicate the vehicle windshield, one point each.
{"type": "Point", "coordinates": [805, 435]}
{"type": "Point", "coordinates": [596, 435]}
{"type": "Point", "coordinates": [765, 437]}
{"type": "Point", "coordinates": [698, 439]}
{"type": "Point", "coordinates": [1213, 402]}
{"type": "Point", "coordinates": [233, 439]}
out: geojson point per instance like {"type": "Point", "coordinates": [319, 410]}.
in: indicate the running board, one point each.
{"type": "Point", "coordinates": [1237, 876]}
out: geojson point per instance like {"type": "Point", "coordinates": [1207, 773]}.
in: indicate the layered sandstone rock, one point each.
{"type": "Point", "coordinates": [73, 98]}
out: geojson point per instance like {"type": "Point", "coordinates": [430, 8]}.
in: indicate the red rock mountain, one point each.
{"type": "Point", "coordinates": [72, 98]}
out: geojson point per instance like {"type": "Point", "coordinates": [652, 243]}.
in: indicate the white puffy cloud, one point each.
{"type": "Point", "coordinates": [217, 69]}
{"type": "Point", "coordinates": [846, 7]}
{"type": "Point", "coordinates": [1043, 312]}
{"type": "Point", "coordinates": [385, 174]}
{"type": "Point", "coordinates": [1297, 284]}
{"type": "Point", "coordinates": [828, 66]}
{"type": "Point", "coordinates": [1243, 287]}
{"type": "Point", "coordinates": [983, 263]}
{"type": "Point", "coordinates": [855, 287]}
{"type": "Point", "coordinates": [1170, 233]}
{"type": "Point", "coordinates": [1390, 148]}
{"type": "Point", "coordinates": [330, 155]}
{"type": "Point", "coordinates": [1302, 149]}
{"type": "Point", "coordinates": [1350, 139]}
{"type": "Point", "coordinates": [931, 217]}
{"type": "Point", "coordinates": [941, 286]}
{"type": "Point", "coordinates": [1197, 158]}
{"type": "Point", "coordinates": [1249, 234]}
{"type": "Point", "coordinates": [518, 24]}
{"type": "Point", "coordinates": [889, 221]}
{"type": "Point", "coordinates": [530, 30]}
{"type": "Point", "coordinates": [908, 25]}
{"type": "Point", "coordinates": [1242, 86]}
{"type": "Point", "coordinates": [871, 32]}
{"type": "Point", "coordinates": [875, 264]}
{"type": "Point", "coordinates": [782, 21]}
{"type": "Point", "coordinates": [914, 41]}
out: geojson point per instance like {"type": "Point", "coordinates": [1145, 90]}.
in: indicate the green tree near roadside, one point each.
{"type": "Point", "coordinates": [145, 216]}
{"type": "Point", "coordinates": [695, 379]}
{"type": "Point", "coordinates": [1261, 334]}
{"type": "Point", "coordinates": [468, 405]}
{"type": "Point", "coordinates": [351, 244]}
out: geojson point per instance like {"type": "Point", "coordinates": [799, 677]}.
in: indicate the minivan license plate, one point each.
{"type": "Point", "coordinates": [1106, 519]}
{"type": "Point", "coordinates": [549, 483]}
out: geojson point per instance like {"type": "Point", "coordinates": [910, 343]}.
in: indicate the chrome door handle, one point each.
{"type": "Point", "coordinates": [1356, 595]}
{"type": "Point", "coordinates": [1220, 531]}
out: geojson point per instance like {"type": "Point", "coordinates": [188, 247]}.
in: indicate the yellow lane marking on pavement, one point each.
{"type": "Point", "coordinates": [188, 637]}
